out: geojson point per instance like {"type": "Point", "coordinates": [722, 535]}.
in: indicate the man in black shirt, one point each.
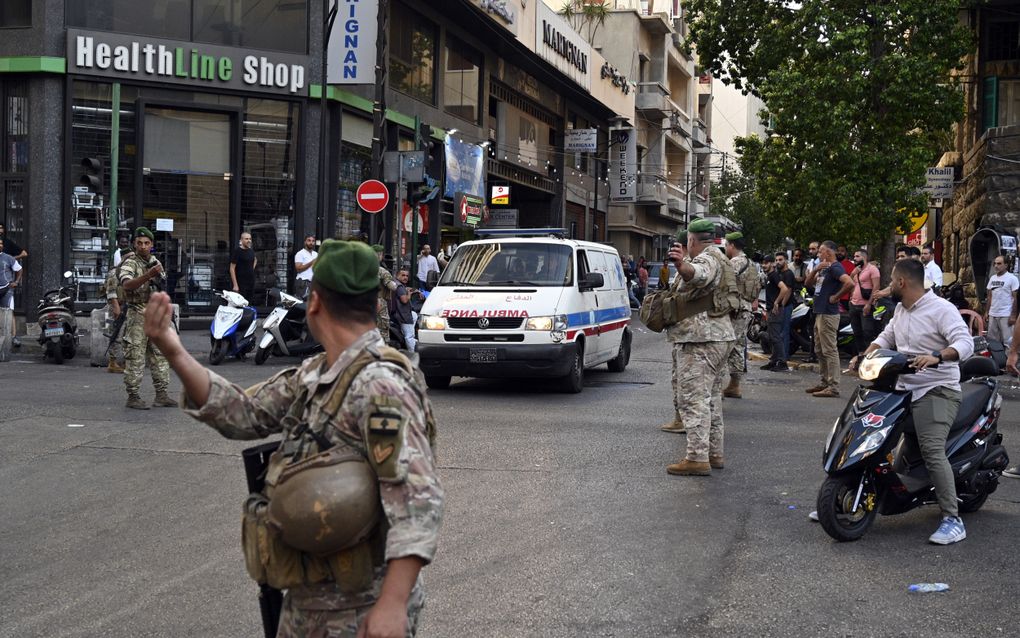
{"type": "Point", "coordinates": [778, 303]}
{"type": "Point", "coordinates": [10, 248]}
{"type": "Point", "coordinates": [242, 268]}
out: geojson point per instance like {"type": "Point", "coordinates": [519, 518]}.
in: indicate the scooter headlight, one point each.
{"type": "Point", "coordinates": [430, 322]}
{"type": "Point", "coordinates": [871, 367]}
{"type": "Point", "coordinates": [872, 442]}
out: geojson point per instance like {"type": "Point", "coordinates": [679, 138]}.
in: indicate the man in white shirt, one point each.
{"type": "Point", "coordinates": [426, 263]}
{"type": "Point", "coordinates": [931, 331]}
{"type": "Point", "coordinates": [1000, 305]}
{"type": "Point", "coordinates": [304, 259]}
{"type": "Point", "coordinates": [932, 272]}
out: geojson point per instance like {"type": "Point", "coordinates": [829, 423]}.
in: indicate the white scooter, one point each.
{"type": "Point", "coordinates": [285, 332]}
{"type": "Point", "coordinates": [233, 328]}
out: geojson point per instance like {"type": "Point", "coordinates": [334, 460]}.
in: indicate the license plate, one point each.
{"type": "Point", "coordinates": [53, 332]}
{"type": "Point", "coordinates": [482, 355]}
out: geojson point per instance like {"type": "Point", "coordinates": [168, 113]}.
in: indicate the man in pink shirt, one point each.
{"type": "Point", "coordinates": [867, 280]}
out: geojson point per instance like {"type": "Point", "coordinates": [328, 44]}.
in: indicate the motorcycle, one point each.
{"type": "Point", "coordinates": [284, 331]}
{"type": "Point", "coordinates": [396, 335]}
{"type": "Point", "coordinates": [232, 331]}
{"type": "Point", "coordinates": [872, 455]}
{"type": "Point", "coordinates": [58, 328]}
{"type": "Point", "coordinates": [757, 329]}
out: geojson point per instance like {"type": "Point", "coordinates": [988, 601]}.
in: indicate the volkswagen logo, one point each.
{"type": "Point", "coordinates": [483, 323]}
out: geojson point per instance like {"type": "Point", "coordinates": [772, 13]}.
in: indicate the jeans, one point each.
{"type": "Point", "coordinates": [7, 298]}
{"type": "Point", "coordinates": [826, 327]}
{"type": "Point", "coordinates": [407, 329]}
{"type": "Point", "coordinates": [301, 288]}
{"type": "Point", "coordinates": [933, 417]}
{"type": "Point", "coordinates": [779, 334]}
{"type": "Point", "coordinates": [863, 326]}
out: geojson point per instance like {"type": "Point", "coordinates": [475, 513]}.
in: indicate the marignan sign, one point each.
{"type": "Point", "coordinates": [128, 57]}
{"type": "Point", "coordinates": [352, 43]}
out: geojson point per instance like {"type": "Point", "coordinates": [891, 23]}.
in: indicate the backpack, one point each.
{"type": "Point", "coordinates": [748, 282]}
{"type": "Point", "coordinates": [725, 296]}
{"type": "Point", "coordinates": [663, 308]}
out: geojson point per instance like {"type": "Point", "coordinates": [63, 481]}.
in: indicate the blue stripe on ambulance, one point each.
{"type": "Point", "coordinates": [600, 316]}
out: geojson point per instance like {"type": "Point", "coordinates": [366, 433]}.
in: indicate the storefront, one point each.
{"type": "Point", "coordinates": [210, 152]}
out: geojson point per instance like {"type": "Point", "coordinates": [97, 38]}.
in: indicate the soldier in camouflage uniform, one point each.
{"type": "Point", "coordinates": [139, 274]}
{"type": "Point", "coordinates": [701, 344]}
{"type": "Point", "coordinates": [300, 404]}
{"type": "Point", "coordinates": [115, 305]}
{"type": "Point", "coordinates": [747, 280]}
{"type": "Point", "coordinates": [676, 424]}
{"type": "Point", "coordinates": [387, 286]}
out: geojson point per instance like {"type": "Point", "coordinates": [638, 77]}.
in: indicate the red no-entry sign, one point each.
{"type": "Point", "coordinates": [372, 196]}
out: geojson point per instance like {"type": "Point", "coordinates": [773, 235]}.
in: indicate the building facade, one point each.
{"type": "Point", "coordinates": [201, 120]}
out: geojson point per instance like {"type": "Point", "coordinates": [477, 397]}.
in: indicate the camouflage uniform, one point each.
{"type": "Point", "coordinates": [387, 284]}
{"type": "Point", "coordinates": [737, 360]}
{"type": "Point", "coordinates": [112, 290]}
{"type": "Point", "coordinates": [700, 346]}
{"type": "Point", "coordinates": [412, 501]}
{"type": "Point", "coordinates": [137, 349]}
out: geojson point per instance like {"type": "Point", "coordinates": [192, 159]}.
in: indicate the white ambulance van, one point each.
{"type": "Point", "coordinates": [526, 303]}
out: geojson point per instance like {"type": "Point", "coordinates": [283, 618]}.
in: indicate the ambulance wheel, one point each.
{"type": "Point", "coordinates": [573, 383]}
{"type": "Point", "coordinates": [437, 383]}
{"type": "Point", "coordinates": [619, 363]}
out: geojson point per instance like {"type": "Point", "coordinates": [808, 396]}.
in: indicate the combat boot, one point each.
{"type": "Point", "coordinates": [733, 389]}
{"type": "Point", "coordinates": [135, 403]}
{"type": "Point", "coordinates": [114, 367]}
{"type": "Point", "coordinates": [716, 461]}
{"type": "Point", "coordinates": [676, 426]}
{"type": "Point", "coordinates": [163, 400]}
{"type": "Point", "coordinates": [688, 467]}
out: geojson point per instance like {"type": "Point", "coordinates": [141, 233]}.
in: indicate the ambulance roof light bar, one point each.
{"type": "Point", "coordinates": [521, 232]}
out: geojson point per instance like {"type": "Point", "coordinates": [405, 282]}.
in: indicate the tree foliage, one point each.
{"type": "Point", "coordinates": [733, 196]}
{"type": "Point", "coordinates": [860, 92]}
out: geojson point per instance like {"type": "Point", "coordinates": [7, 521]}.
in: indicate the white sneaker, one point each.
{"type": "Point", "coordinates": [950, 531]}
{"type": "Point", "coordinates": [1012, 472]}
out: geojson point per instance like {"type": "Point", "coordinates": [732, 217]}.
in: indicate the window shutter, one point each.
{"type": "Point", "coordinates": [991, 104]}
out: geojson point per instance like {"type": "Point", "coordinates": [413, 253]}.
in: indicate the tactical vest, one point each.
{"type": "Point", "coordinates": [721, 300]}
{"type": "Point", "coordinates": [319, 518]}
{"type": "Point", "coordinates": [140, 295]}
{"type": "Point", "coordinates": [748, 281]}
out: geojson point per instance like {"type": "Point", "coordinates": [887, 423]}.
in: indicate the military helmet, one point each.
{"type": "Point", "coordinates": [326, 503]}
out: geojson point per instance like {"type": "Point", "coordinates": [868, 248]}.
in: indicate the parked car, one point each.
{"type": "Point", "coordinates": [653, 274]}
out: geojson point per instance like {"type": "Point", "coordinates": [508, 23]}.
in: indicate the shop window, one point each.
{"type": "Point", "coordinates": [412, 54]}
{"type": "Point", "coordinates": [14, 128]}
{"type": "Point", "coordinates": [278, 25]}
{"type": "Point", "coordinates": [160, 18]}
{"type": "Point", "coordinates": [269, 187]}
{"type": "Point", "coordinates": [462, 80]}
{"type": "Point", "coordinates": [355, 167]}
{"type": "Point", "coordinates": [15, 13]}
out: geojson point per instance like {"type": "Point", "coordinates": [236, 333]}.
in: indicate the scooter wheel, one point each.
{"type": "Point", "coordinates": [261, 354]}
{"type": "Point", "coordinates": [218, 352]}
{"type": "Point", "coordinates": [835, 507]}
{"type": "Point", "coordinates": [58, 354]}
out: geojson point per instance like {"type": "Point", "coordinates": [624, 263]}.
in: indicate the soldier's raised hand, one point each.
{"type": "Point", "coordinates": [158, 315]}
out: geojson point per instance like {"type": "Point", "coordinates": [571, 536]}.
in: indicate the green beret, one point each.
{"type": "Point", "coordinates": [142, 231]}
{"type": "Point", "coordinates": [378, 248]}
{"type": "Point", "coordinates": [701, 226]}
{"type": "Point", "coordinates": [346, 267]}
{"type": "Point", "coordinates": [681, 236]}
{"type": "Point", "coordinates": [734, 236]}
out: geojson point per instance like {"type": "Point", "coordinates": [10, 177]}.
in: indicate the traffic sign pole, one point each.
{"type": "Point", "coordinates": [414, 213]}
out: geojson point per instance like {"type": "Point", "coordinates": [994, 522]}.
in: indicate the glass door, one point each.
{"type": "Point", "coordinates": [187, 197]}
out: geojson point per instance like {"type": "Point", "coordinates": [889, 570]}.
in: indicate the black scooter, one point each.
{"type": "Point", "coordinates": [872, 455]}
{"type": "Point", "coordinates": [285, 332]}
{"type": "Point", "coordinates": [58, 327]}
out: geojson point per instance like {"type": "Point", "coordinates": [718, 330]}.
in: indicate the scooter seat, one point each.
{"type": "Point", "coordinates": [975, 397]}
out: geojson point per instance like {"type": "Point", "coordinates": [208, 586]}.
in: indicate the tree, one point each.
{"type": "Point", "coordinates": [860, 93]}
{"type": "Point", "coordinates": [733, 196]}
{"type": "Point", "coordinates": [585, 16]}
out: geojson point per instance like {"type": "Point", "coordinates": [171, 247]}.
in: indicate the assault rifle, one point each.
{"type": "Point", "coordinates": [118, 323]}
{"type": "Point", "coordinates": [256, 460]}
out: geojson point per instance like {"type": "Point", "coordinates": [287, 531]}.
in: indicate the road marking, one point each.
{"type": "Point", "coordinates": [75, 425]}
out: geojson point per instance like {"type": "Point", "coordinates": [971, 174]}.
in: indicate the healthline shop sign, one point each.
{"type": "Point", "coordinates": [194, 64]}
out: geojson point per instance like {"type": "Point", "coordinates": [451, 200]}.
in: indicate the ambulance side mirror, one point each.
{"type": "Point", "coordinates": [591, 281]}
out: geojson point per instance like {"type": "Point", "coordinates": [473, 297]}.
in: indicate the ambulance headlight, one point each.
{"type": "Point", "coordinates": [430, 322]}
{"type": "Point", "coordinates": [547, 324]}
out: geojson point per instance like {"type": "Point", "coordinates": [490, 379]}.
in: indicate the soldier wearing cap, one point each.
{"type": "Point", "coordinates": [360, 402]}
{"type": "Point", "coordinates": [701, 343]}
{"type": "Point", "coordinates": [748, 283]}
{"type": "Point", "coordinates": [387, 286]}
{"type": "Point", "coordinates": [141, 274]}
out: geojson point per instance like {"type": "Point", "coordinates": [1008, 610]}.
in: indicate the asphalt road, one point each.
{"type": "Point", "coordinates": [560, 519]}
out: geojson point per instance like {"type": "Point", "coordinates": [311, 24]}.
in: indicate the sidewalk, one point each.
{"type": "Point", "coordinates": [195, 340]}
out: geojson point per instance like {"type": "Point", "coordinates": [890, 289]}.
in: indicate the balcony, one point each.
{"type": "Point", "coordinates": [675, 199]}
{"type": "Point", "coordinates": [651, 190]}
{"type": "Point", "coordinates": [700, 136]}
{"type": "Point", "coordinates": [679, 129]}
{"type": "Point", "coordinates": [652, 100]}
